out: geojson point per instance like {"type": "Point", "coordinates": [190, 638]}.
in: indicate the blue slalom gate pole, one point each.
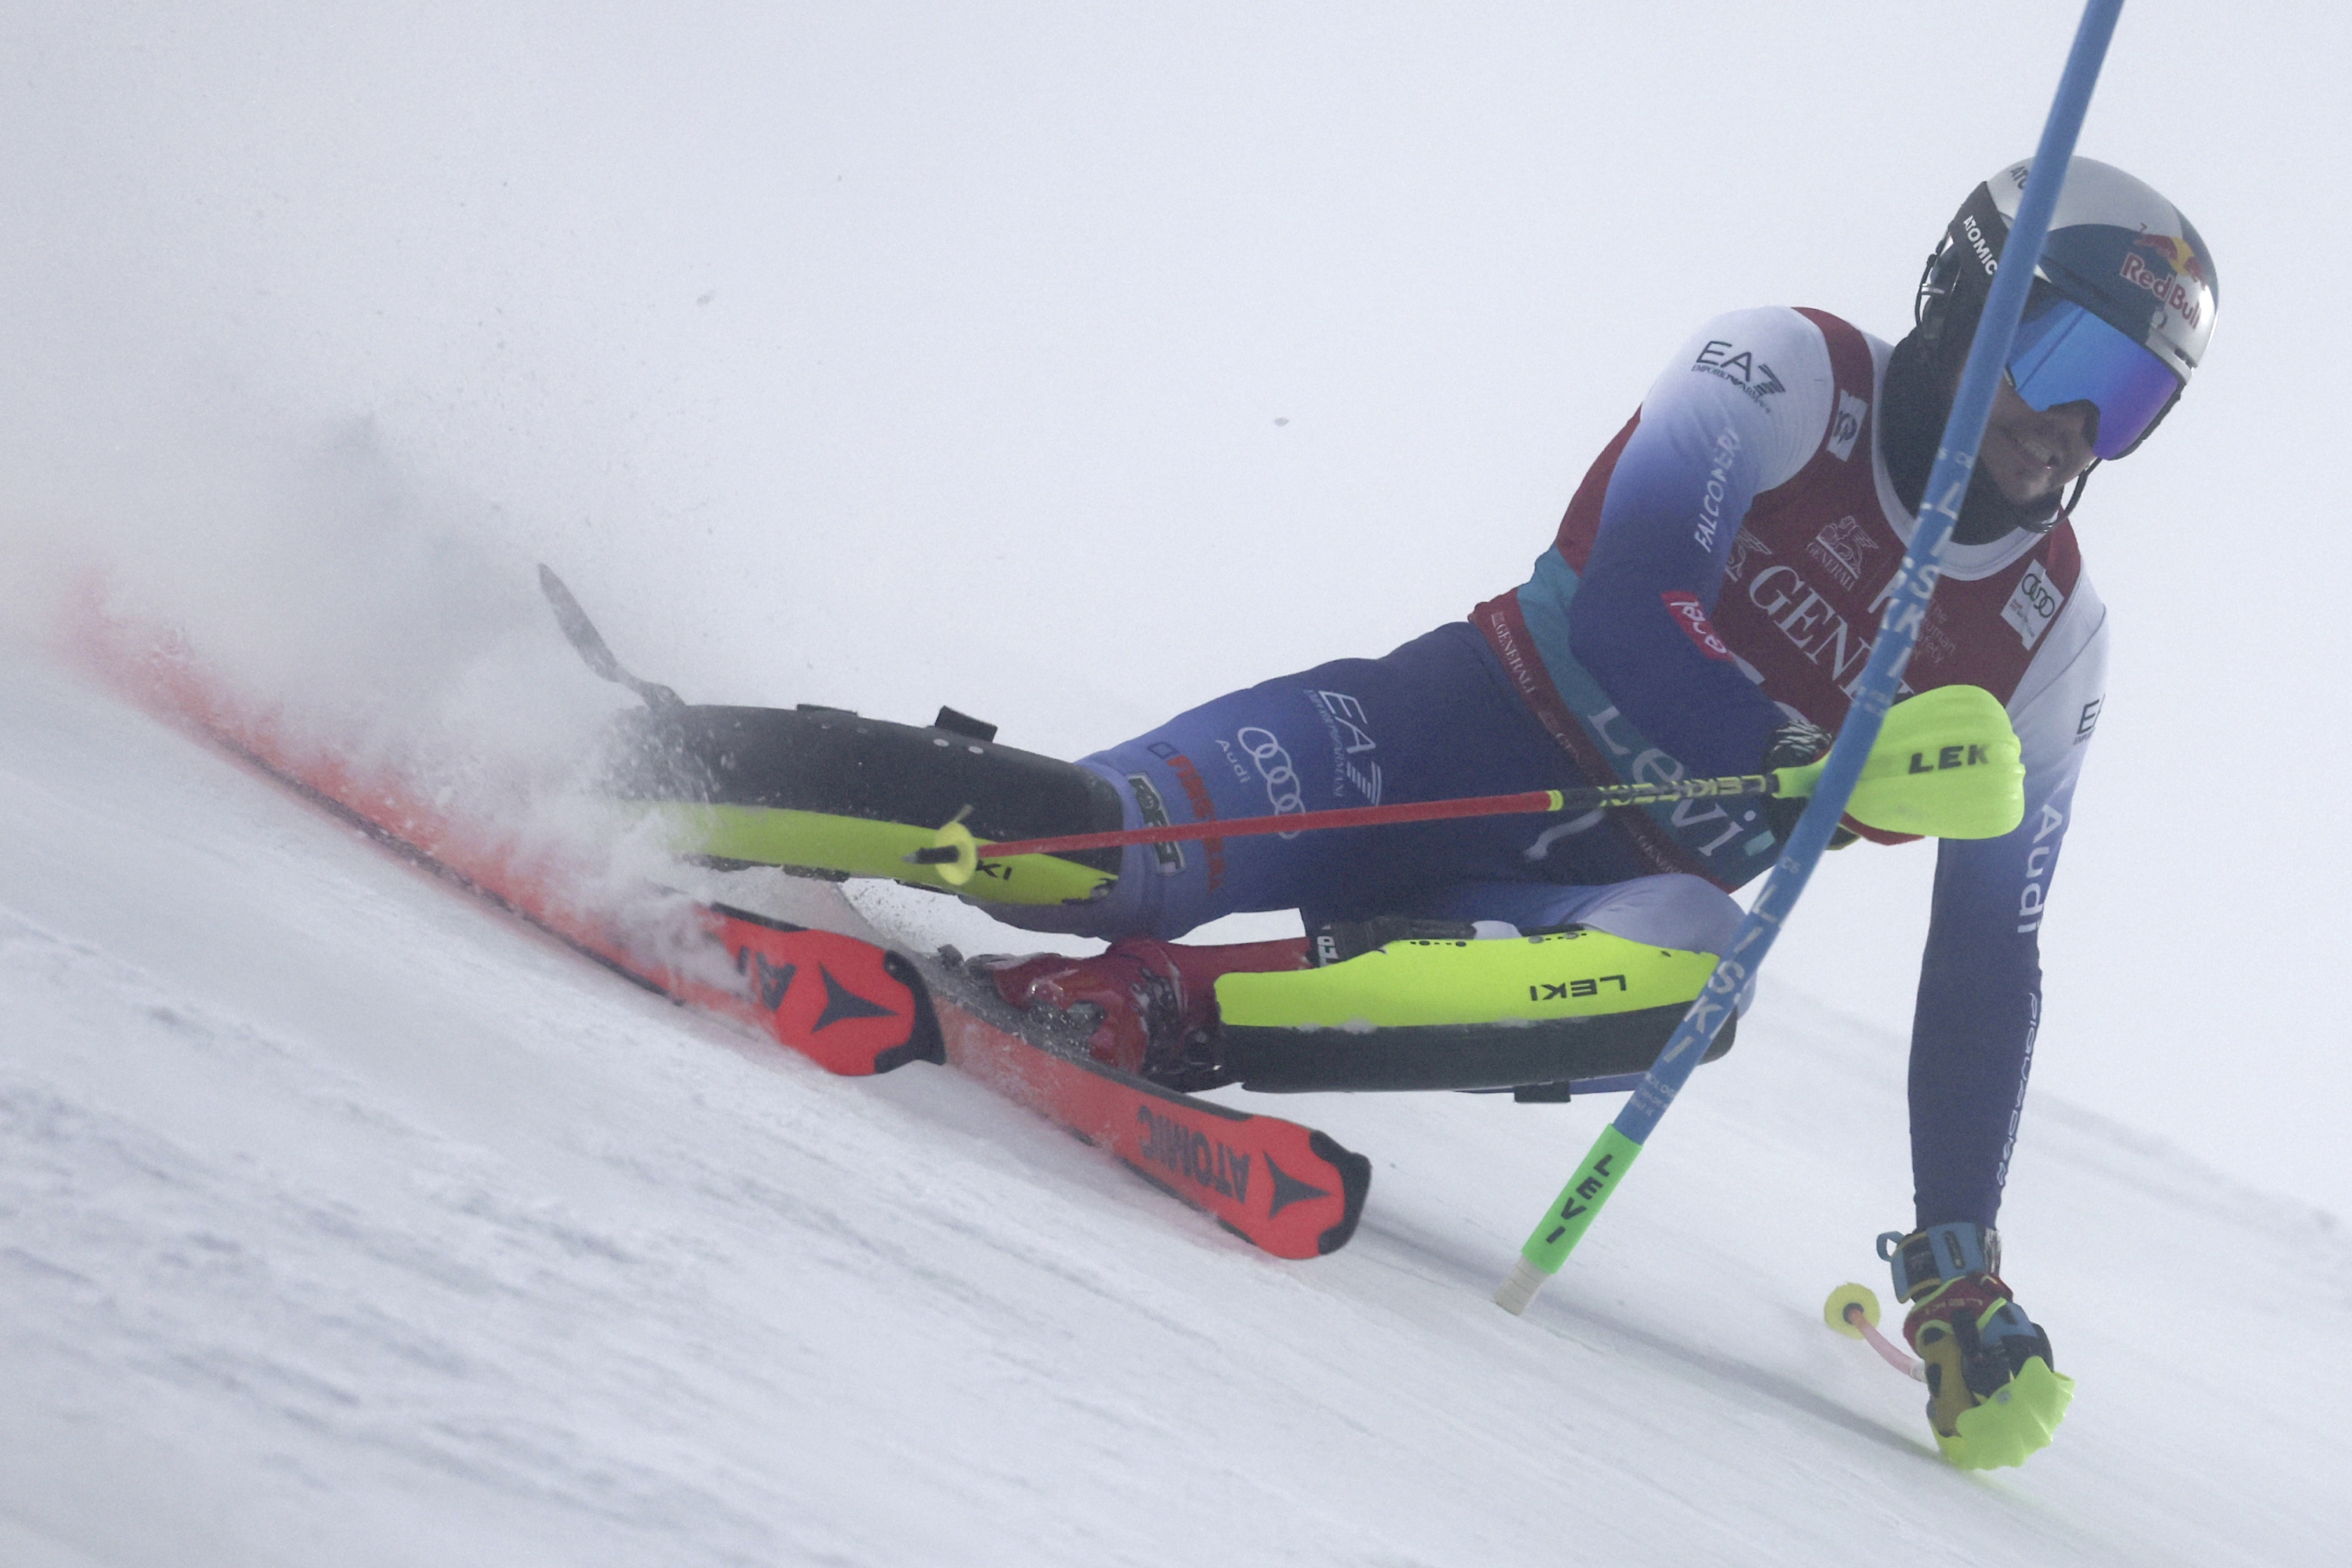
{"type": "Point", "coordinates": [1564, 1225]}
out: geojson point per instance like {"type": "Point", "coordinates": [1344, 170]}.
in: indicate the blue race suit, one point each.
{"type": "Point", "coordinates": [1719, 571]}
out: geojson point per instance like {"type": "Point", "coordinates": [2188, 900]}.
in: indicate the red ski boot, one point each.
{"type": "Point", "coordinates": [1155, 1002]}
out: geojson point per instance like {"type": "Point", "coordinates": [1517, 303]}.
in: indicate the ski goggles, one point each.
{"type": "Point", "coordinates": [2064, 354]}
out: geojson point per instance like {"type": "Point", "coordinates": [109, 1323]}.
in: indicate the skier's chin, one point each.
{"type": "Point", "coordinates": [2029, 494]}
{"type": "Point", "coordinates": [1990, 512]}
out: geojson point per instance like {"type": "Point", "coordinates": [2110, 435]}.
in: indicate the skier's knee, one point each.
{"type": "Point", "coordinates": [1673, 911]}
{"type": "Point", "coordinates": [1670, 911]}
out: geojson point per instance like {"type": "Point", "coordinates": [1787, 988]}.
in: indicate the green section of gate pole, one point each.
{"type": "Point", "coordinates": [1564, 1223]}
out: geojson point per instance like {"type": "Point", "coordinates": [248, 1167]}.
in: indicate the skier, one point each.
{"type": "Point", "coordinates": [1705, 608]}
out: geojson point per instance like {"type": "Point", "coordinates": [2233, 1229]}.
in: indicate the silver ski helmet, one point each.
{"type": "Point", "coordinates": [2123, 300]}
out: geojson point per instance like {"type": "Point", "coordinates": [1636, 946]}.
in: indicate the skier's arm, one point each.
{"type": "Point", "coordinates": [1711, 437]}
{"type": "Point", "coordinates": [1979, 1002]}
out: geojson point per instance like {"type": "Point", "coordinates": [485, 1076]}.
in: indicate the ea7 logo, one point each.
{"type": "Point", "coordinates": [1742, 369]}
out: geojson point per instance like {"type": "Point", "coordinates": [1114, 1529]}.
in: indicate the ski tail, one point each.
{"type": "Point", "coordinates": [1287, 1189]}
{"type": "Point", "coordinates": [847, 1006]}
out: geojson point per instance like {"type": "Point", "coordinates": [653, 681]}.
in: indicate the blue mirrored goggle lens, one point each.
{"type": "Point", "coordinates": [2065, 354]}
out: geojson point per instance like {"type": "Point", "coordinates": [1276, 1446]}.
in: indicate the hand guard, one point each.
{"type": "Point", "coordinates": [1792, 745]}
{"type": "Point", "coordinates": [1993, 1397]}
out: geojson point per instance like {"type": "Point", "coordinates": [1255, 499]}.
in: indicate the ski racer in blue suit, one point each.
{"type": "Point", "coordinates": [1705, 607]}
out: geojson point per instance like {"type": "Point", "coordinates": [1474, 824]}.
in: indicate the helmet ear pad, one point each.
{"type": "Point", "coordinates": [1959, 277]}
{"type": "Point", "coordinates": [1937, 312]}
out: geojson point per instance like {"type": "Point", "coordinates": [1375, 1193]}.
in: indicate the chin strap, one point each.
{"type": "Point", "coordinates": [2073, 496]}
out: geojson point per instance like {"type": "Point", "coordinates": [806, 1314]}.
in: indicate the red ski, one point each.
{"type": "Point", "coordinates": [849, 1005]}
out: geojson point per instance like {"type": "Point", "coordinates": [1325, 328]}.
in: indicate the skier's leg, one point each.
{"type": "Point", "coordinates": [823, 790]}
{"type": "Point", "coordinates": [1686, 914]}
{"type": "Point", "coordinates": [1230, 757]}
{"type": "Point", "coordinates": [1434, 720]}
{"type": "Point", "coordinates": [1156, 1005]}
{"type": "Point", "coordinates": [827, 790]}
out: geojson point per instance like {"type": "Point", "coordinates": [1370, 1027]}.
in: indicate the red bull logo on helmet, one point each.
{"type": "Point", "coordinates": [2180, 261]}
{"type": "Point", "coordinates": [2176, 250]}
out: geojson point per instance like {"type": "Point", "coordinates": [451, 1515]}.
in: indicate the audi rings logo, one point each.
{"type": "Point", "coordinates": [1265, 750]}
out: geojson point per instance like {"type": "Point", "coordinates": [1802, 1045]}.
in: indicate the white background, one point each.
{"type": "Point", "coordinates": [882, 355]}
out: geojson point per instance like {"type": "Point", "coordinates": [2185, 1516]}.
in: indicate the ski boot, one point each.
{"type": "Point", "coordinates": [1154, 1004]}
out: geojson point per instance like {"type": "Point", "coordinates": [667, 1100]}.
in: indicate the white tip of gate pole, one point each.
{"type": "Point", "coordinates": [1521, 1287]}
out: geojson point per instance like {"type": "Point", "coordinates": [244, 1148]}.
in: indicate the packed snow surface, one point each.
{"type": "Point", "coordinates": [350, 1222]}
{"type": "Point", "coordinates": [1071, 365]}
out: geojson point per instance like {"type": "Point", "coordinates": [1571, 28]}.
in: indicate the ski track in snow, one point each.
{"type": "Point", "coordinates": [349, 1222]}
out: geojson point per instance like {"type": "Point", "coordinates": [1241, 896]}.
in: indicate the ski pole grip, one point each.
{"type": "Point", "coordinates": [1564, 1224]}
{"type": "Point", "coordinates": [1852, 1311]}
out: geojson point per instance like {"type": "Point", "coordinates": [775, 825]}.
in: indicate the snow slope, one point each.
{"type": "Point", "coordinates": [1072, 364]}
{"type": "Point", "coordinates": [347, 1222]}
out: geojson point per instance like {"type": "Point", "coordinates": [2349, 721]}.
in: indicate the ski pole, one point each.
{"type": "Point", "coordinates": [1852, 1311]}
{"type": "Point", "coordinates": [1598, 797]}
{"type": "Point", "coordinates": [1947, 766]}
{"type": "Point", "coordinates": [1612, 1154]}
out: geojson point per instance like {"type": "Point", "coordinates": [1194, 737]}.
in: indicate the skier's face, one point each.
{"type": "Point", "coordinates": [2032, 454]}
